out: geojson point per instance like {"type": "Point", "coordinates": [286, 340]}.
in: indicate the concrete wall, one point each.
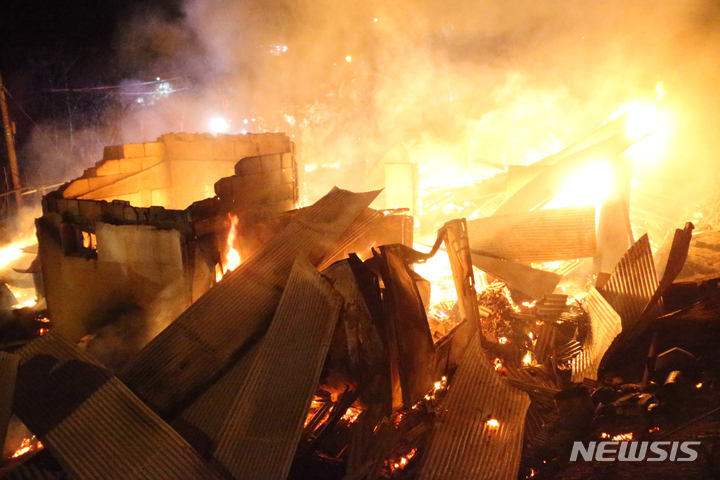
{"type": "Point", "coordinates": [175, 171]}
{"type": "Point", "coordinates": [134, 267]}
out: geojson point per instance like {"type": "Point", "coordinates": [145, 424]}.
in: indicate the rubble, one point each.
{"type": "Point", "coordinates": [324, 350]}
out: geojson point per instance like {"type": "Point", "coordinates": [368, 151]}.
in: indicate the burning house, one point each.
{"type": "Point", "coordinates": [236, 335]}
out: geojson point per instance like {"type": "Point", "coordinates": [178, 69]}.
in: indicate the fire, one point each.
{"type": "Point", "coordinates": [402, 462]}
{"type": "Point", "coordinates": [27, 446]}
{"type": "Point", "coordinates": [12, 252]}
{"type": "Point", "coordinates": [43, 331]}
{"type": "Point", "coordinates": [231, 257]}
{"type": "Point", "coordinates": [527, 359]}
{"type": "Point", "coordinates": [622, 437]}
{"type": "Point", "coordinates": [351, 415]}
{"type": "Point", "coordinates": [590, 184]}
{"type": "Point", "coordinates": [492, 423]}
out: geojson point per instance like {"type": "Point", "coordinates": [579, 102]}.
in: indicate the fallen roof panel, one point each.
{"type": "Point", "coordinates": [93, 424]}
{"type": "Point", "coordinates": [531, 281]}
{"type": "Point", "coordinates": [202, 341]}
{"type": "Point", "coordinates": [605, 325]}
{"type": "Point", "coordinates": [632, 283]}
{"type": "Point", "coordinates": [408, 332]}
{"type": "Point", "coordinates": [464, 445]}
{"type": "Point", "coordinates": [261, 433]}
{"type": "Point", "coordinates": [537, 236]}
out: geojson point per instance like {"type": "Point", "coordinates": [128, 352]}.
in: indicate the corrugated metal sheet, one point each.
{"type": "Point", "coordinates": [93, 424]}
{"type": "Point", "coordinates": [605, 325]}
{"type": "Point", "coordinates": [200, 344]}
{"type": "Point", "coordinates": [260, 436]}
{"type": "Point", "coordinates": [545, 345]}
{"type": "Point", "coordinates": [531, 281]}
{"type": "Point", "coordinates": [201, 422]}
{"type": "Point", "coordinates": [410, 343]}
{"type": "Point", "coordinates": [552, 305]}
{"type": "Point", "coordinates": [367, 220]}
{"type": "Point", "coordinates": [537, 236]}
{"type": "Point", "coordinates": [8, 373]}
{"type": "Point", "coordinates": [632, 283]}
{"type": "Point", "coordinates": [463, 445]}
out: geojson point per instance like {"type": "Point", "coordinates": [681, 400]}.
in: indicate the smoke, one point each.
{"type": "Point", "coordinates": [454, 83]}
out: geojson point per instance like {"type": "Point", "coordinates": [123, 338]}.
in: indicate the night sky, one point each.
{"type": "Point", "coordinates": [47, 47]}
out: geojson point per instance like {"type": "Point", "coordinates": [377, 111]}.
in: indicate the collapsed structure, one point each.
{"type": "Point", "coordinates": [319, 350]}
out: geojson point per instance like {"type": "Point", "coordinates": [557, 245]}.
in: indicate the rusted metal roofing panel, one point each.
{"type": "Point", "coordinates": [410, 343]}
{"type": "Point", "coordinates": [8, 373]}
{"type": "Point", "coordinates": [464, 445]}
{"type": "Point", "coordinates": [632, 283]}
{"type": "Point", "coordinates": [531, 281]}
{"type": "Point", "coordinates": [93, 424]}
{"type": "Point", "coordinates": [537, 236]}
{"type": "Point", "coordinates": [260, 436]}
{"type": "Point", "coordinates": [203, 340]}
{"type": "Point", "coordinates": [605, 325]}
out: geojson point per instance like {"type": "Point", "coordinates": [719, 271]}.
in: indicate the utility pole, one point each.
{"type": "Point", "coordinates": [10, 146]}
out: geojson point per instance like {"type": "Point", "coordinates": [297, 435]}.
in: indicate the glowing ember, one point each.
{"type": "Point", "coordinates": [351, 415]}
{"type": "Point", "coordinates": [498, 364]}
{"type": "Point", "coordinates": [400, 463]}
{"type": "Point", "coordinates": [699, 385]}
{"type": "Point", "coordinates": [43, 331]}
{"type": "Point", "coordinates": [492, 423]}
{"type": "Point", "coordinates": [502, 340]}
{"type": "Point", "coordinates": [27, 446]}
{"type": "Point", "coordinates": [231, 257]}
{"type": "Point", "coordinates": [623, 437]}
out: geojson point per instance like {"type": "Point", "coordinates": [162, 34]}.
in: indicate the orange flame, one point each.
{"type": "Point", "coordinates": [231, 257]}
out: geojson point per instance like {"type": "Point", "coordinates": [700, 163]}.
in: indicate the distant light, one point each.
{"type": "Point", "coordinates": [375, 20]}
{"type": "Point", "coordinates": [140, 100]}
{"type": "Point", "coordinates": [244, 132]}
{"type": "Point", "coordinates": [348, 58]}
{"type": "Point", "coordinates": [158, 79]}
{"type": "Point", "coordinates": [245, 121]}
{"type": "Point", "coordinates": [219, 125]}
{"type": "Point", "coordinates": [252, 119]}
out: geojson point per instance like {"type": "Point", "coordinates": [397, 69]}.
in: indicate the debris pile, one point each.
{"type": "Point", "coordinates": [325, 355]}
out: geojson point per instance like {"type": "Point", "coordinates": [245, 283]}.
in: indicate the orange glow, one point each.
{"type": "Point", "coordinates": [492, 423]}
{"type": "Point", "coordinates": [43, 331]}
{"type": "Point", "coordinates": [351, 415]}
{"type": "Point", "coordinates": [589, 185]}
